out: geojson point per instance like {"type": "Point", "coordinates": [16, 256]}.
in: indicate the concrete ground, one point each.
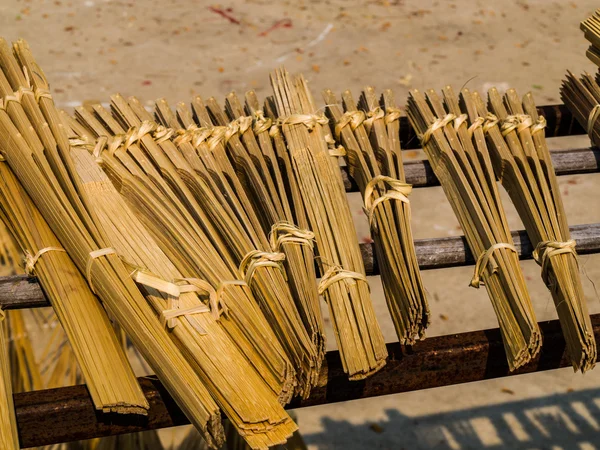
{"type": "Point", "coordinates": [174, 49]}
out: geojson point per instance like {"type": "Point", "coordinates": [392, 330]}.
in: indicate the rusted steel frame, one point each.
{"type": "Point", "coordinates": [67, 414]}
{"type": "Point", "coordinates": [560, 122]}
{"type": "Point", "coordinates": [18, 292]}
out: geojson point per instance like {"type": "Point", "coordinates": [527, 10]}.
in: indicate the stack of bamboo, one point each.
{"type": "Point", "coordinates": [591, 30]}
{"type": "Point", "coordinates": [459, 157]}
{"type": "Point", "coordinates": [522, 162]}
{"type": "Point", "coordinates": [370, 137]}
{"type": "Point", "coordinates": [37, 150]}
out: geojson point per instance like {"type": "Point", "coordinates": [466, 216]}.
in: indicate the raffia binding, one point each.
{"type": "Point", "coordinates": [256, 259]}
{"type": "Point", "coordinates": [547, 249]}
{"type": "Point", "coordinates": [398, 191]}
{"type": "Point", "coordinates": [287, 233]}
{"type": "Point", "coordinates": [592, 119]}
{"type": "Point", "coordinates": [336, 274]}
{"type": "Point", "coordinates": [436, 125]}
{"type": "Point", "coordinates": [484, 260]}
{"type": "Point", "coordinates": [31, 261]}
{"type": "Point", "coordinates": [92, 258]}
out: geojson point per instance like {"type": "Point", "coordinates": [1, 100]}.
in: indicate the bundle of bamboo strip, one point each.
{"type": "Point", "coordinates": [317, 173]}
{"type": "Point", "coordinates": [374, 158]}
{"type": "Point", "coordinates": [523, 164]}
{"type": "Point", "coordinates": [460, 160]}
{"type": "Point", "coordinates": [254, 157]}
{"type": "Point", "coordinates": [582, 97]}
{"type": "Point", "coordinates": [591, 30]}
{"type": "Point", "coordinates": [247, 326]}
{"type": "Point", "coordinates": [113, 387]}
{"type": "Point", "coordinates": [239, 223]}
{"type": "Point", "coordinates": [259, 418]}
{"type": "Point", "coordinates": [49, 177]}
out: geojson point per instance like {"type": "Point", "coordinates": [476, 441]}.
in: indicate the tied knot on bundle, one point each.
{"type": "Point", "coordinates": [392, 114]}
{"type": "Point", "coordinates": [257, 259]}
{"type": "Point", "coordinates": [132, 136]}
{"type": "Point", "coordinates": [336, 274]}
{"type": "Point", "coordinates": [373, 115]}
{"type": "Point", "coordinates": [352, 118]}
{"type": "Point", "coordinates": [162, 134]}
{"type": "Point", "coordinates": [477, 123]}
{"type": "Point", "coordinates": [593, 117]}
{"type": "Point", "coordinates": [310, 121]}
{"type": "Point", "coordinates": [287, 233]}
{"type": "Point", "coordinates": [261, 123]}
{"type": "Point", "coordinates": [333, 149]}
{"type": "Point", "coordinates": [485, 259]}
{"type": "Point", "coordinates": [83, 142]}
{"type": "Point", "coordinates": [398, 190]}
{"type": "Point", "coordinates": [31, 261]}
{"type": "Point", "coordinates": [437, 124]}
{"type": "Point", "coordinates": [216, 307]}
{"type": "Point", "coordinates": [522, 122]}
{"type": "Point", "coordinates": [546, 250]}
{"type": "Point", "coordinates": [490, 122]}
{"type": "Point", "coordinates": [274, 131]}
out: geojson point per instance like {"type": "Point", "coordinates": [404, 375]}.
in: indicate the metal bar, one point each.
{"type": "Point", "coordinates": [20, 291]}
{"type": "Point", "coordinates": [67, 414]}
{"type": "Point", "coordinates": [566, 162]}
{"type": "Point", "coordinates": [560, 122]}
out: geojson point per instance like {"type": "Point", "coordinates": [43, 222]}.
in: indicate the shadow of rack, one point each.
{"type": "Point", "coordinates": [67, 414]}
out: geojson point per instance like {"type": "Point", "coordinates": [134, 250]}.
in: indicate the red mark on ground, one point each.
{"type": "Point", "coordinates": [283, 23]}
{"type": "Point", "coordinates": [146, 83]}
{"type": "Point", "coordinates": [225, 13]}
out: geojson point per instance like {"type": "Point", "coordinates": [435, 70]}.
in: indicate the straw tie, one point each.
{"type": "Point", "coordinates": [490, 122]}
{"type": "Point", "coordinates": [519, 122]}
{"type": "Point", "coordinates": [373, 115]}
{"type": "Point", "coordinates": [336, 274]}
{"type": "Point", "coordinates": [31, 261]}
{"type": "Point", "coordinates": [261, 123]}
{"type": "Point", "coordinates": [162, 134]}
{"type": "Point", "coordinates": [436, 125]}
{"type": "Point", "coordinates": [92, 258]}
{"type": "Point", "coordinates": [458, 121]}
{"type": "Point", "coordinates": [399, 191]}
{"type": "Point", "coordinates": [274, 131]}
{"type": "Point", "coordinates": [478, 122]}
{"type": "Point", "coordinates": [546, 250]}
{"type": "Point", "coordinates": [308, 120]}
{"type": "Point", "coordinates": [42, 93]}
{"type": "Point", "coordinates": [333, 150]}
{"type": "Point", "coordinates": [484, 260]}
{"type": "Point", "coordinates": [352, 118]}
{"type": "Point", "coordinates": [539, 126]}
{"type": "Point", "coordinates": [256, 258]}
{"type": "Point", "coordinates": [592, 119]}
{"type": "Point", "coordinates": [288, 233]}
{"type": "Point", "coordinates": [217, 306]}
{"type": "Point", "coordinates": [392, 114]}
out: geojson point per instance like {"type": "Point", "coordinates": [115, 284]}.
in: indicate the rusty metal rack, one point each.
{"type": "Point", "coordinates": [67, 414]}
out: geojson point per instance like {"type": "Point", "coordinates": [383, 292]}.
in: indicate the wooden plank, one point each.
{"type": "Point", "coordinates": [17, 292]}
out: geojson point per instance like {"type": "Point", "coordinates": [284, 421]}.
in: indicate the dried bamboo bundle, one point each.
{"type": "Point", "coordinates": [343, 281]}
{"type": "Point", "coordinates": [522, 161]}
{"type": "Point", "coordinates": [240, 225]}
{"type": "Point", "coordinates": [48, 175]}
{"type": "Point", "coordinates": [247, 327]}
{"type": "Point", "coordinates": [591, 30]}
{"type": "Point", "coordinates": [225, 370]}
{"type": "Point", "coordinates": [459, 157]}
{"type": "Point", "coordinates": [582, 97]}
{"type": "Point", "coordinates": [113, 387]}
{"type": "Point", "coordinates": [374, 158]}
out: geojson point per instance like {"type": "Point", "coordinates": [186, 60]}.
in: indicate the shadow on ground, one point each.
{"type": "Point", "coordinates": [558, 422]}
